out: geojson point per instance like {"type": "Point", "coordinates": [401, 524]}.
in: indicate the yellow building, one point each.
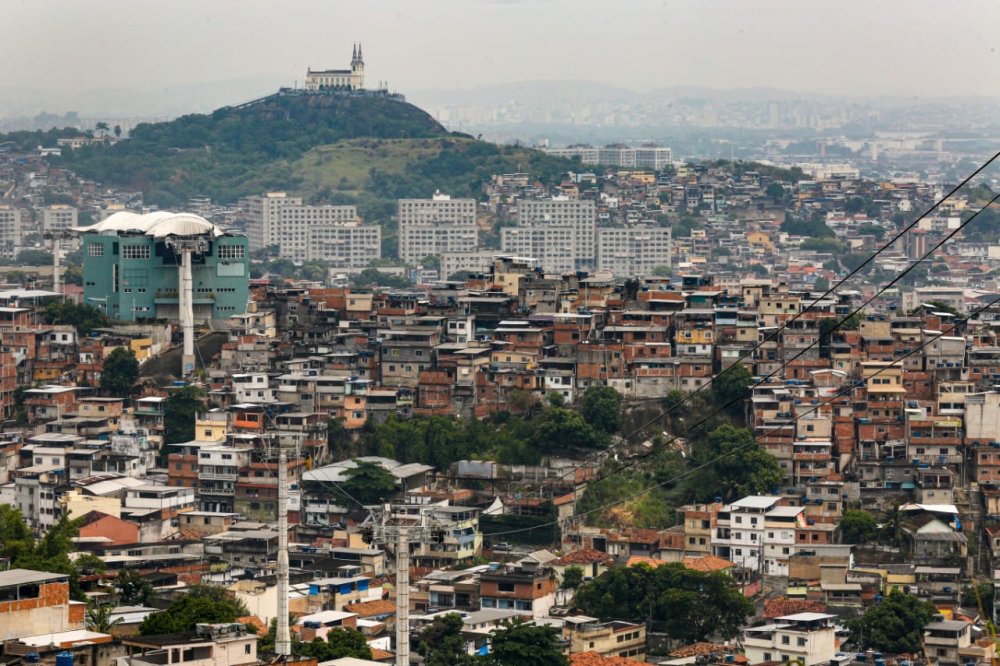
{"type": "Point", "coordinates": [75, 504]}
{"type": "Point", "coordinates": [339, 79]}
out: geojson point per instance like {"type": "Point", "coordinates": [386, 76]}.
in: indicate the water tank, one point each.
{"type": "Point", "coordinates": [64, 659]}
{"type": "Point", "coordinates": [31, 658]}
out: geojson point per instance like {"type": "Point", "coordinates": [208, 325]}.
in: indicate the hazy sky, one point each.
{"type": "Point", "coordinates": [913, 47]}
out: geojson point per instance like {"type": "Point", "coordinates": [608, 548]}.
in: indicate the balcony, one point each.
{"type": "Point", "coordinates": [216, 490]}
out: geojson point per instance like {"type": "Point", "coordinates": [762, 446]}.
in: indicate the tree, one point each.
{"type": "Point", "coordinates": [555, 399]}
{"type": "Point", "coordinates": [84, 317]}
{"type": "Point", "coordinates": [50, 553]}
{"type": "Point", "coordinates": [821, 284]}
{"type": "Point", "coordinates": [893, 626]}
{"type": "Point", "coordinates": [432, 262]}
{"type": "Point", "coordinates": [185, 612]}
{"type": "Point", "coordinates": [119, 372]}
{"type": "Point", "coordinates": [662, 270]}
{"type": "Point", "coordinates": [692, 605]}
{"type": "Point", "coordinates": [118, 131]}
{"type": "Point", "coordinates": [572, 578]}
{"type": "Point", "coordinates": [893, 529]}
{"type": "Point", "coordinates": [180, 409]}
{"type": "Point", "coordinates": [339, 643]}
{"type": "Point", "coordinates": [441, 642]}
{"type": "Point", "coordinates": [857, 527]}
{"type": "Point", "coordinates": [731, 386]}
{"type": "Point", "coordinates": [134, 589]}
{"type": "Point", "coordinates": [102, 127]}
{"type": "Point", "coordinates": [734, 466]}
{"type": "Point", "coordinates": [518, 643]}
{"type": "Point", "coordinates": [602, 408]}
{"type": "Point", "coordinates": [99, 618]}
{"type": "Point", "coordinates": [775, 191]}
{"type": "Point", "coordinates": [368, 482]}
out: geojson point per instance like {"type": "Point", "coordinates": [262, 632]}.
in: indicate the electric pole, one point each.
{"type": "Point", "coordinates": [283, 640]}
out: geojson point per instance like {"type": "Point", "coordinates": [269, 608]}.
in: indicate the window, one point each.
{"type": "Point", "coordinates": [785, 640]}
{"type": "Point", "coordinates": [230, 252]}
{"type": "Point", "coordinates": [246, 648]}
{"type": "Point", "coordinates": [135, 252]}
{"type": "Point", "coordinates": [802, 641]}
{"type": "Point", "coordinates": [95, 250]}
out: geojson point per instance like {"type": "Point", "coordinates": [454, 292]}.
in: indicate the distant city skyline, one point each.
{"type": "Point", "coordinates": [66, 51]}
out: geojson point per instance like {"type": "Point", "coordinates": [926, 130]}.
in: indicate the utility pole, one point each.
{"type": "Point", "coordinates": [283, 640]}
{"type": "Point", "coordinates": [400, 536]}
{"type": "Point", "coordinates": [56, 237]}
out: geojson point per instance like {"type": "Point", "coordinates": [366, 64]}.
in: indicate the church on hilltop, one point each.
{"type": "Point", "coordinates": [339, 79]}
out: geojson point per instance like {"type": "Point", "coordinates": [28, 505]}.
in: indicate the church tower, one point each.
{"type": "Point", "coordinates": [358, 69]}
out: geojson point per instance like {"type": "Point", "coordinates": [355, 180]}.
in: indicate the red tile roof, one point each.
{"type": "Point", "coordinates": [371, 608]}
{"type": "Point", "coordinates": [707, 563]}
{"type": "Point", "coordinates": [779, 607]}
{"type": "Point", "coordinates": [594, 659]}
{"type": "Point", "coordinates": [255, 621]}
{"type": "Point", "coordinates": [698, 649]}
{"type": "Point", "coordinates": [586, 556]}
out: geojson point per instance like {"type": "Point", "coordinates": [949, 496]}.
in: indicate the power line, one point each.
{"type": "Point", "coordinates": [838, 324]}
{"type": "Point", "coordinates": [755, 440]}
{"type": "Point", "coordinates": [773, 336]}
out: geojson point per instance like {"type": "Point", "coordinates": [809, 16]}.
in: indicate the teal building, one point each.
{"type": "Point", "coordinates": [132, 267]}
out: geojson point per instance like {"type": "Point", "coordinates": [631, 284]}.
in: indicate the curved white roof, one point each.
{"type": "Point", "coordinates": [160, 224]}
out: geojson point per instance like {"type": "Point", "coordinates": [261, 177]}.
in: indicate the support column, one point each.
{"type": "Point", "coordinates": [402, 597]}
{"type": "Point", "coordinates": [55, 265]}
{"type": "Point", "coordinates": [282, 640]}
{"type": "Point", "coordinates": [186, 306]}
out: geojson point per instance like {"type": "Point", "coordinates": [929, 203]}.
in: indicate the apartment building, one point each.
{"type": "Point", "coordinates": [528, 588]}
{"type": "Point", "coordinates": [308, 233]}
{"type": "Point", "coordinates": [10, 230]}
{"type": "Point", "coordinates": [218, 470]}
{"type": "Point", "coordinates": [642, 157]}
{"type": "Point", "coordinates": [633, 250]}
{"type": "Point", "coordinates": [808, 637]}
{"type": "Point", "coordinates": [560, 233]}
{"type": "Point", "coordinates": [58, 217]}
{"type": "Point", "coordinates": [436, 226]}
{"type": "Point", "coordinates": [608, 639]}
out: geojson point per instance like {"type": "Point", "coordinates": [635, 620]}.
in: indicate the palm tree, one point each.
{"type": "Point", "coordinates": [118, 131]}
{"type": "Point", "coordinates": [102, 127]}
{"type": "Point", "coordinates": [99, 619]}
{"type": "Point", "coordinates": [894, 526]}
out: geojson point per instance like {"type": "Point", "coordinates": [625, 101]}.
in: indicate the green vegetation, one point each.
{"type": "Point", "coordinates": [572, 578]}
{"type": "Point", "coordinates": [692, 605]}
{"type": "Point", "coordinates": [339, 643]}
{"type": "Point", "coordinates": [133, 589]}
{"type": "Point", "coordinates": [201, 603]}
{"type": "Point", "coordinates": [368, 483]}
{"type": "Point", "coordinates": [731, 386]}
{"type": "Point", "coordinates": [504, 437]}
{"type": "Point", "coordinates": [602, 408]}
{"type": "Point", "coordinates": [518, 643]}
{"type": "Point", "coordinates": [50, 553]}
{"type": "Point", "coordinates": [735, 466]}
{"type": "Point", "coordinates": [119, 372]}
{"type": "Point", "coordinates": [180, 409]}
{"type": "Point", "coordinates": [98, 618]}
{"type": "Point", "coordinates": [441, 642]}
{"type": "Point", "coordinates": [894, 626]}
{"type": "Point", "coordinates": [84, 317]}
{"type": "Point", "coordinates": [857, 527]}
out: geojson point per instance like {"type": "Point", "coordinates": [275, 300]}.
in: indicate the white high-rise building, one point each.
{"type": "Point", "coordinates": [306, 233]}
{"type": "Point", "coordinates": [559, 232]}
{"type": "Point", "coordinates": [435, 226]}
{"type": "Point", "coordinates": [58, 217]}
{"type": "Point", "coordinates": [642, 157]}
{"type": "Point", "coordinates": [10, 230]}
{"type": "Point", "coordinates": [633, 250]}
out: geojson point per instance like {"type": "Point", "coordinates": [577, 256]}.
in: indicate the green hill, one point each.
{"type": "Point", "coordinates": [220, 154]}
